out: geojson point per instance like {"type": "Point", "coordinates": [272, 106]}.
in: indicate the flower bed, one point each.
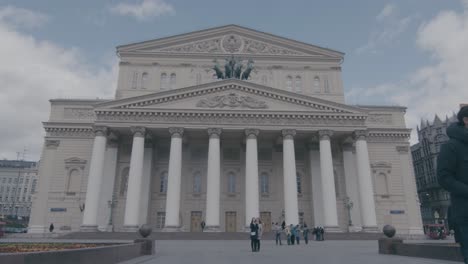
{"type": "Point", "coordinates": [41, 247]}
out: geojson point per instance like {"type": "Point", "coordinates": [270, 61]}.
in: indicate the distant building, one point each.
{"type": "Point", "coordinates": [18, 181]}
{"type": "Point", "coordinates": [434, 199]}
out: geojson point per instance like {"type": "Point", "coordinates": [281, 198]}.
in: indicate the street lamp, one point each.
{"type": "Point", "coordinates": [349, 205]}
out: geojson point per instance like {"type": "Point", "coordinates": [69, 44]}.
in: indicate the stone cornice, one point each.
{"type": "Point", "coordinates": [69, 132]}
{"type": "Point", "coordinates": [306, 119]}
{"type": "Point", "coordinates": [389, 135]}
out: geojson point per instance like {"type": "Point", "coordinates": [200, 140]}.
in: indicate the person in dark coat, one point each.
{"type": "Point", "coordinates": [51, 227]}
{"type": "Point", "coordinates": [452, 172]}
{"type": "Point", "coordinates": [203, 224]}
{"type": "Point", "coordinates": [253, 234]}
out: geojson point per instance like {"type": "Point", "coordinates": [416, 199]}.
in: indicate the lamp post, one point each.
{"type": "Point", "coordinates": [111, 204]}
{"type": "Point", "coordinates": [349, 205]}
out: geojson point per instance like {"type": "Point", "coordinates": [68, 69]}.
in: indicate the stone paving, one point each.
{"type": "Point", "coordinates": [327, 252]}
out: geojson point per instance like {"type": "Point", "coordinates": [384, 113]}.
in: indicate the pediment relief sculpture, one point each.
{"type": "Point", "coordinates": [232, 100]}
{"type": "Point", "coordinates": [232, 44]}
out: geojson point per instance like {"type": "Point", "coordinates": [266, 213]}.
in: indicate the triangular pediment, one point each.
{"type": "Point", "coordinates": [229, 40]}
{"type": "Point", "coordinates": [231, 95]}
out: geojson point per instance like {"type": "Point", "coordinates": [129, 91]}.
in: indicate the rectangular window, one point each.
{"type": "Point", "coordinates": [160, 219]}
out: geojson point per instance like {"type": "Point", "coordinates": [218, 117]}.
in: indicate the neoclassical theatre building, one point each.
{"type": "Point", "coordinates": [222, 125]}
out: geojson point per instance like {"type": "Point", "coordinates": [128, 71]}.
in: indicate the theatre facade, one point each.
{"type": "Point", "coordinates": [222, 125]}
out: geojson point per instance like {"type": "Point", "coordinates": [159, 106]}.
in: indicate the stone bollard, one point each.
{"type": "Point", "coordinates": [147, 247]}
{"type": "Point", "coordinates": [388, 244]}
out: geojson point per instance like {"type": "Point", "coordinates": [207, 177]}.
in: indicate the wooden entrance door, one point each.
{"type": "Point", "coordinates": [195, 221]}
{"type": "Point", "coordinates": [266, 221]}
{"type": "Point", "coordinates": [231, 225]}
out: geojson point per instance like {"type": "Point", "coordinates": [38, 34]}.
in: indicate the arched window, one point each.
{"type": "Point", "coordinates": [163, 183]}
{"type": "Point", "coordinates": [289, 83]}
{"type": "Point", "coordinates": [124, 181]}
{"type": "Point", "coordinates": [74, 181]}
{"type": "Point", "coordinates": [198, 78]}
{"type": "Point", "coordinates": [326, 86]}
{"type": "Point", "coordinates": [317, 84]}
{"type": "Point", "coordinates": [197, 182]}
{"type": "Point", "coordinates": [298, 84]}
{"type": "Point", "coordinates": [231, 182]}
{"type": "Point", "coordinates": [164, 81]}
{"type": "Point", "coordinates": [172, 83]}
{"type": "Point", "coordinates": [135, 80]}
{"type": "Point", "coordinates": [299, 183]}
{"type": "Point", "coordinates": [264, 183]}
{"type": "Point", "coordinates": [144, 80]}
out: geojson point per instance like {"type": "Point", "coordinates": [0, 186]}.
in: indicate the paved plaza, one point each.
{"type": "Point", "coordinates": [221, 251]}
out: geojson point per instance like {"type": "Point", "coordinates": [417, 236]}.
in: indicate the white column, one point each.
{"type": "Point", "coordinates": [38, 222]}
{"type": "Point", "coordinates": [352, 190]}
{"type": "Point", "coordinates": [174, 180]}
{"type": "Point", "coordinates": [135, 178]}
{"type": "Point", "coordinates": [106, 199]}
{"type": "Point", "coordinates": [411, 194]}
{"type": "Point", "coordinates": [316, 183]}
{"type": "Point", "coordinates": [146, 184]}
{"type": "Point", "coordinates": [252, 203]}
{"type": "Point", "coordinates": [366, 191]}
{"type": "Point", "coordinates": [330, 216]}
{"type": "Point", "coordinates": [213, 181]}
{"type": "Point", "coordinates": [93, 190]}
{"type": "Point", "coordinates": [291, 207]}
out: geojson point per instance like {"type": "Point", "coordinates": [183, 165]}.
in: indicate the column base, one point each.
{"type": "Point", "coordinates": [212, 228]}
{"type": "Point", "coordinates": [332, 229]}
{"type": "Point", "coordinates": [171, 229]}
{"type": "Point", "coordinates": [131, 228]}
{"type": "Point", "coordinates": [37, 229]}
{"type": "Point", "coordinates": [89, 228]}
{"type": "Point", "coordinates": [352, 229]}
{"type": "Point", "coordinates": [370, 229]}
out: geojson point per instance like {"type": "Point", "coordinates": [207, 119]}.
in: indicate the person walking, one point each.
{"type": "Point", "coordinates": [253, 234]}
{"type": "Point", "coordinates": [51, 228]}
{"type": "Point", "coordinates": [260, 233]}
{"type": "Point", "coordinates": [277, 233]}
{"type": "Point", "coordinates": [452, 173]}
{"type": "Point", "coordinates": [305, 233]}
{"type": "Point", "coordinates": [293, 233]}
{"type": "Point", "coordinates": [298, 234]}
{"type": "Point", "coordinates": [202, 225]}
{"type": "Point", "coordinates": [288, 234]}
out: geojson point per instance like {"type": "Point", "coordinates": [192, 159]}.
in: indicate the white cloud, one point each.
{"type": "Point", "coordinates": [389, 26]}
{"type": "Point", "coordinates": [145, 9]}
{"type": "Point", "coordinates": [19, 17]}
{"type": "Point", "coordinates": [437, 88]}
{"type": "Point", "coordinates": [32, 72]}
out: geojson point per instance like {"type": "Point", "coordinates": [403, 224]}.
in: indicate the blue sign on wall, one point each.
{"type": "Point", "coordinates": [58, 209]}
{"type": "Point", "coordinates": [397, 211]}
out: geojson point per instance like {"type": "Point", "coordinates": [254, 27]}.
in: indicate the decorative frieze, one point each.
{"type": "Point", "coordinates": [232, 100]}
{"type": "Point", "coordinates": [379, 119]}
{"type": "Point", "coordinates": [79, 113]}
{"type": "Point", "coordinates": [69, 132]}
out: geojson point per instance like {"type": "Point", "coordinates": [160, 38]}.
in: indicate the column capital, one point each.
{"type": "Point", "coordinates": [52, 144]}
{"type": "Point", "coordinates": [402, 149]}
{"type": "Point", "coordinates": [251, 133]}
{"type": "Point", "coordinates": [100, 130]}
{"type": "Point", "coordinates": [288, 133]}
{"type": "Point", "coordinates": [138, 131]}
{"type": "Point", "coordinates": [176, 131]}
{"type": "Point", "coordinates": [214, 132]}
{"type": "Point", "coordinates": [325, 134]}
{"type": "Point", "coordinates": [360, 134]}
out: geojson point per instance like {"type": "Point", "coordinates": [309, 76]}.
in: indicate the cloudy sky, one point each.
{"type": "Point", "coordinates": [403, 52]}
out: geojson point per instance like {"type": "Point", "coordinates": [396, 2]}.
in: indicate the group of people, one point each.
{"type": "Point", "coordinates": [256, 231]}
{"type": "Point", "coordinates": [293, 233]}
